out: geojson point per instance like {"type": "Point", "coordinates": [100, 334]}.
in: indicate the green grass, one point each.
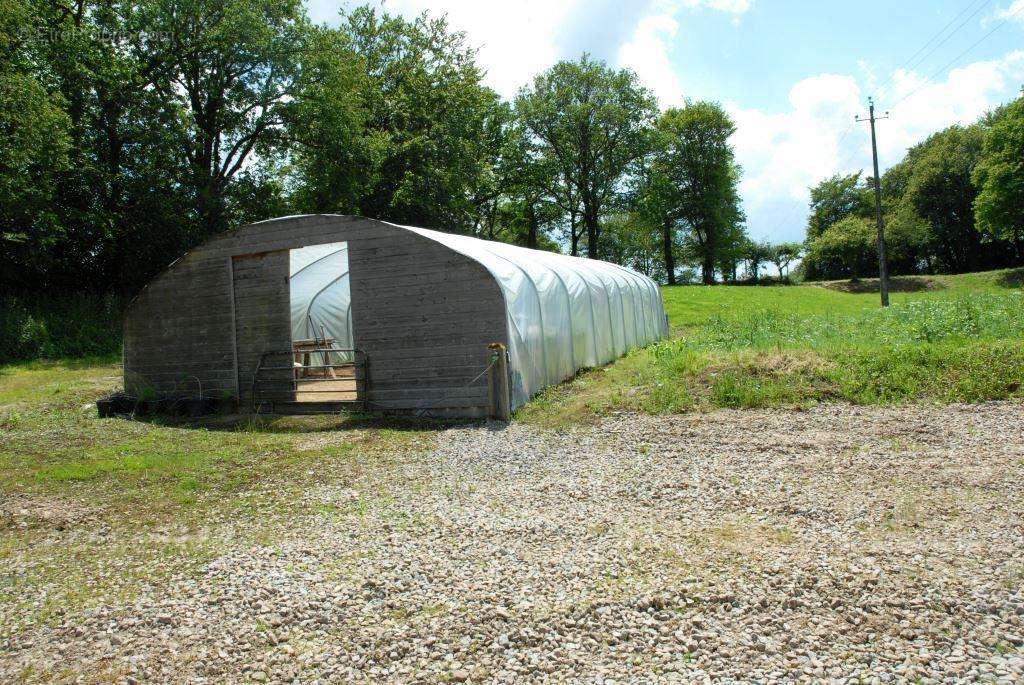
{"type": "Point", "coordinates": [168, 496]}
{"type": "Point", "coordinates": [55, 444]}
{"type": "Point", "coordinates": [959, 339]}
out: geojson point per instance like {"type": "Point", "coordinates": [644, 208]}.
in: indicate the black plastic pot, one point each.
{"type": "Point", "coordinates": [225, 405]}
{"type": "Point", "coordinates": [188, 407]}
{"type": "Point", "coordinates": [146, 407]}
{"type": "Point", "coordinates": [115, 405]}
{"type": "Point", "coordinates": [198, 406]}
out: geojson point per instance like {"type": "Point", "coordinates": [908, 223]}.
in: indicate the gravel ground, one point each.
{"type": "Point", "coordinates": [842, 543]}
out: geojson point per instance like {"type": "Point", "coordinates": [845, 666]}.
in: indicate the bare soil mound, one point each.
{"type": "Point", "coordinates": [898, 284]}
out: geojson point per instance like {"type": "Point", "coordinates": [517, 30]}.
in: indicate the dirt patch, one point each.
{"type": "Point", "coordinates": [897, 284]}
{"type": "Point", "coordinates": [773, 363]}
{"type": "Point", "coordinates": [23, 511]}
{"type": "Point", "coordinates": [778, 379]}
{"type": "Point", "coordinates": [1013, 278]}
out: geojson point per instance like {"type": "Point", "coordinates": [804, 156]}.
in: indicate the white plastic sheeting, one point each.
{"type": "Point", "coordinates": [564, 313]}
{"type": "Point", "coordinates": [321, 302]}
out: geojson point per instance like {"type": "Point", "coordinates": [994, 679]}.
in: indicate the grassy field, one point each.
{"type": "Point", "coordinates": [156, 498]}
{"type": "Point", "coordinates": [160, 496]}
{"type": "Point", "coordinates": [945, 338]}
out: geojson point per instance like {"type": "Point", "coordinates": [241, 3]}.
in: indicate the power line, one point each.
{"type": "Point", "coordinates": [951, 34]}
{"type": "Point", "coordinates": [797, 204]}
{"type": "Point", "coordinates": [789, 216]}
{"type": "Point", "coordinates": [846, 134]}
{"type": "Point", "coordinates": [935, 37]}
{"type": "Point", "coordinates": [958, 57]}
{"type": "Point", "coordinates": [853, 153]}
{"type": "Point", "coordinates": [913, 62]}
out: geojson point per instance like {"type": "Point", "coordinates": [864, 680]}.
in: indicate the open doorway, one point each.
{"type": "Point", "coordinates": [325, 360]}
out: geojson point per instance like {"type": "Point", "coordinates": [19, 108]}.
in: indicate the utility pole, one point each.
{"type": "Point", "coordinates": [883, 264]}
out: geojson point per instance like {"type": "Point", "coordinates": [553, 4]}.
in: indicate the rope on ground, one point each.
{"type": "Point", "coordinates": [481, 374]}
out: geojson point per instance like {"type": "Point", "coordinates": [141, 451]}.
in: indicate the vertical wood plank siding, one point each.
{"type": "Point", "coordinates": [423, 314]}
{"type": "Point", "coordinates": [262, 316]}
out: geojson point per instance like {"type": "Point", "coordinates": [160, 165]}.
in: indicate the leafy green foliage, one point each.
{"type": "Point", "coordinates": [633, 242]}
{"type": "Point", "coordinates": [229, 69]}
{"type": "Point", "coordinates": [757, 253]}
{"type": "Point", "coordinates": [591, 123]}
{"type": "Point", "coordinates": [846, 249]}
{"type": "Point", "coordinates": [526, 200]}
{"type": "Point", "coordinates": [131, 131]}
{"type": "Point", "coordinates": [332, 157]}
{"type": "Point", "coordinates": [784, 254]}
{"type": "Point", "coordinates": [999, 178]}
{"type": "Point", "coordinates": [941, 191]}
{"type": "Point", "coordinates": [431, 127]}
{"type": "Point", "coordinates": [929, 201]}
{"type": "Point", "coordinates": [120, 208]}
{"type": "Point", "coordinates": [838, 198]}
{"type": "Point", "coordinates": [55, 328]}
{"type": "Point", "coordinates": [34, 144]}
{"type": "Point", "coordinates": [690, 188]}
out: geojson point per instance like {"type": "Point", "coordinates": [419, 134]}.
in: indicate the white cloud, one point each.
{"type": "Point", "coordinates": [734, 7]}
{"type": "Point", "coordinates": [1014, 11]}
{"type": "Point", "coordinates": [648, 50]}
{"type": "Point", "coordinates": [515, 40]}
{"type": "Point", "coordinates": [729, 6]}
{"type": "Point", "coordinates": [647, 53]}
{"type": "Point", "coordinates": [922, 107]}
{"type": "Point", "coordinates": [783, 154]}
{"type": "Point", "coordinates": [518, 40]}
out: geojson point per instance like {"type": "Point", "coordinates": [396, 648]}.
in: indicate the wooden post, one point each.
{"type": "Point", "coordinates": [497, 382]}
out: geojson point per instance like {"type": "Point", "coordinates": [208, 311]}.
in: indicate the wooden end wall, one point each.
{"type": "Point", "coordinates": [423, 314]}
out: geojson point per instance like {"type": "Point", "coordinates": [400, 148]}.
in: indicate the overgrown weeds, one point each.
{"type": "Point", "coordinates": [52, 328]}
{"type": "Point", "coordinates": [769, 347]}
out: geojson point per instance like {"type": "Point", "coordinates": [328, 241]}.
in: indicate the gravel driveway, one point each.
{"type": "Point", "coordinates": [845, 543]}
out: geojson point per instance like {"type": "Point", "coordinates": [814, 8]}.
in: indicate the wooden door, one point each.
{"type": "Point", "coordinates": [262, 319]}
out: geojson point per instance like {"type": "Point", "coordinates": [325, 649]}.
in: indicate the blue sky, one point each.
{"type": "Point", "coordinates": [792, 73]}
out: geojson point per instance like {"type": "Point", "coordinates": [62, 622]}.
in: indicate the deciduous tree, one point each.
{"type": "Point", "coordinates": [847, 249]}
{"type": "Point", "coordinates": [429, 121]}
{"type": "Point", "coordinates": [231, 68]}
{"type": "Point", "coordinates": [593, 123]}
{"type": "Point", "coordinates": [694, 184]}
{"type": "Point", "coordinates": [784, 254]}
{"type": "Point", "coordinates": [757, 253]}
{"type": "Point", "coordinates": [836, 198]}
{"type": "Point", "coordinates": [999, 178]}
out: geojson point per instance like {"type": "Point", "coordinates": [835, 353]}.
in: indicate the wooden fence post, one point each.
{"type": "Point", "coordinates": [497, 383]}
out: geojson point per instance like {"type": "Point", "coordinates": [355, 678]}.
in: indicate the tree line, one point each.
{"type": "Point", "coordinates": [132, 131]}
{"type": "Point", "coordinates": [954, 204]}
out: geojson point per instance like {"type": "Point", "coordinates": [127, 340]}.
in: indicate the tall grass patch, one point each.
{"type": "Point", "coordinates": [947, 371]}
{"type": "Point", "coordinates": [970, 318]}
{"type": "Point", "coordinates": [767, 347]}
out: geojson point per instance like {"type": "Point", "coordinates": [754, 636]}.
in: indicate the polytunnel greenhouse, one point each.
{"type": "Point", "coordinates": [324, 312]}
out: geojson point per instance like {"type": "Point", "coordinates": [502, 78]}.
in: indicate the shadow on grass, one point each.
{"type": "Point", "coordinates": [321, 423]}
{"type": "Point", "coordinates": [1012, 278]}
{"type": "Point", "coordinates": [897, 284]}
